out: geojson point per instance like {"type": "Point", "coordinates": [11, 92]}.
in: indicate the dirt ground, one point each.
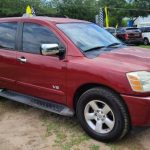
{"type": "Point", "coordinates": [26, 128]}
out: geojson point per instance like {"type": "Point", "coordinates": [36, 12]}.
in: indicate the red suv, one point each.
{"type": "Point", "coordinates": [73, 67]}
{"type": "Point", "coordinates": [130, 35]}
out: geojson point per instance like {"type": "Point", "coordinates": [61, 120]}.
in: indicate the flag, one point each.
{"type": "Point", "coordinates": [106, 19]}
{"type": "Point", "coordinates": [116, 25]}
{"type": "Point", "coordinates": [101, 23]}
{"type": "Point", "coordinates": [32, 11]}
{"type": "Point", "coordinates": [28, 11]}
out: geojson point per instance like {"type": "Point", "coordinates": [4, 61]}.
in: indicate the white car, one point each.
{"type": "Point", "coordinates": [146, 34]}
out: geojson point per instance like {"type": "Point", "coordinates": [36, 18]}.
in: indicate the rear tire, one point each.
{"type": "Point", "coordinates": [103, 115]}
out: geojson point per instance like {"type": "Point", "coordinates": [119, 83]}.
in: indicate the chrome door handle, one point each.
{"type": "Point", "coordinates": [22, 59]}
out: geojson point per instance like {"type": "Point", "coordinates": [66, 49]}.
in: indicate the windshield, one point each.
{"type": "Point", "coordinates": [87, 35]}
{"type": "Point", "coordinates": [132, 29]}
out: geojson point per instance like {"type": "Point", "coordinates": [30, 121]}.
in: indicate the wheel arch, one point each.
{"type": "Point", "coordinates": [83, 88]}
{"type": "Point", "coordinates": [146, 38]}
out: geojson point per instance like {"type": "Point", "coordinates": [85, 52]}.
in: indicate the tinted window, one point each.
{"type": "Point", "coordinates": [147, 29]}
{"type": "Point", "coordinates": [111, 30]}
{"type": "Point", "coordinates": [8, 35]}
{"type": "Point", "coordinates": [120, 30]}
{"type": "Point", "coordinates": [34, 35]}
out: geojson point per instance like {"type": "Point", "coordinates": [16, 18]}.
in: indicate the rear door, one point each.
{"type": "Point", "coordinates": [8, 31]}
{"type": "Point", "coordinates": [133, 33]}
{"type": "Point", "coordinates": [38, 75]}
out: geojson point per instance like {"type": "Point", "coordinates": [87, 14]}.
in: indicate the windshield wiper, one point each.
{"type": "Point", "coordinates": [94, 48]}
{"type": "Point", "coordinates": [114, 44]}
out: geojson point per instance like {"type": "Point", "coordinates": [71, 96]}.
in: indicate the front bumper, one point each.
{"type": "Point", "coordinates": [139, 109]}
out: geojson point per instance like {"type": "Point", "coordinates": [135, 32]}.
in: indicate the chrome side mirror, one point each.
{"type": "Point", "coordinates": [49, 49]}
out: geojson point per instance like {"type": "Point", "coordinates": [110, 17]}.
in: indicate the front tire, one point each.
{"type": "Point", "coordinates": [146, 41]}
{"type": "Point", "coordinates": [103, 115]}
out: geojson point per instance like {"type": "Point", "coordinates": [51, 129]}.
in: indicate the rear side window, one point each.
{"type": "Point", "coordinates": [34, 35]}
{"type": "Point", "coordinates": [147, 29]}
{"type": "Point", "coordinates": [8, 35]}
{"type": "Point", "coordinates": [120, 30]}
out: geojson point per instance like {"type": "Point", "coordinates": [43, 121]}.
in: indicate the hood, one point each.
{"type": "Point", "coordinates": [127, 59]}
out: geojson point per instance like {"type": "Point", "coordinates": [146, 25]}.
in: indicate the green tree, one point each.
{"type": "Point", "coordinates": [138, 8]}
{"type": "Point", "coordinates": [79, 9]}
{"type": "Point", "coordinates": [15, 7]}
{"type": "Point", "coordinates": [18, 7]}
{"type": "Point", "coordinates": [115, 15]}
{"type": "Point", "coordinates": [87, 9]}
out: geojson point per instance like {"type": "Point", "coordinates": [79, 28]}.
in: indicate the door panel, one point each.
{"type": "Point", "coordinates": [40, 76]}
{"type": "Point", "coordinates": [7, 69]}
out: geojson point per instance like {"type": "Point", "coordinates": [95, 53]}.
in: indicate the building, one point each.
{"type": "Point", "coordinates": [142, 21]}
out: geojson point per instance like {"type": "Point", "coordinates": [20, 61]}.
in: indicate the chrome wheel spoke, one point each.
{"type": "Point", "coordinates": [98, 127]}
{"type": "Point", "coordinates": [93, 105]}
{"type": "Point", "coordinates": [89, 116]}
{"type": "Point", "coordinates": [106, 109]}
{"type": "Point", "coordinates": [109, 123]}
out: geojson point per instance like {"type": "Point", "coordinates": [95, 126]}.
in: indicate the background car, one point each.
{"type": "Point", "coordinates": [111, 30]}
{"type": "Point", "coordinates": [146, 34]}
{"type": "Point", "coordinates": [130, 35]}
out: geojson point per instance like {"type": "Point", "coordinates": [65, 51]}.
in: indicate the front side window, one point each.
{"type": "Point", "coordinates": [87, 35]}
{"type": "Point", "coordinates": [34, 35]}
{"type": "Point", "coordinates": [8, 35]}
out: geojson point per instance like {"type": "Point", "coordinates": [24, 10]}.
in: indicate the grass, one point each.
{"type": "Point", "coordinates": [94, 147]}
{"type": "Point", "coordinates": [145, 46]}
{"type": "Point", "coordinates": [67, 132]}
{"type": "Point", "coordinates": [69, 136]}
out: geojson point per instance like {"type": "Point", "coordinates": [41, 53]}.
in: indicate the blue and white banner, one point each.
{"type": "Point", "coordinates": [101, 17]}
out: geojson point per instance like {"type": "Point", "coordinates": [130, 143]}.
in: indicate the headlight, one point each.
{"type": "Point", "coordinates": [139, 81]}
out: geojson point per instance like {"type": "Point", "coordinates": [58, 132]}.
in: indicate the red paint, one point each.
{"type": "Point", "coordinates": [40, 73]}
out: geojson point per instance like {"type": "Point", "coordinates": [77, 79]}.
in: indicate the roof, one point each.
{"type": "Point", "coordinates": [49, 19]}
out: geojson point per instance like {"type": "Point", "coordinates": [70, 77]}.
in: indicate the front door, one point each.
{"type": "Point", "coordinates": [38, 75]}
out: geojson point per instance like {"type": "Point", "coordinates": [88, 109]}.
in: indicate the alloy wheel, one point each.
{"type": "Point", "coordinates": [99, 116]}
